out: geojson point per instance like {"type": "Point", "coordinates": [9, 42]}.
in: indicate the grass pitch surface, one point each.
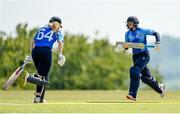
{"type": "Point", "coordinates": [89, 102]}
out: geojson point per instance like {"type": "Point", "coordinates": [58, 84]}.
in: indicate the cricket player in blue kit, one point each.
{"type": "Point", "coordinates": [41, 53]}
{"type": "Point", "coordinates": [141, 57]}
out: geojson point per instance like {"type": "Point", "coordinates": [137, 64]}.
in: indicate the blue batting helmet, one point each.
{"type": "Point", "coordinates": [55, 18]}
{"type": "Point", "coordinates": [133, 19]}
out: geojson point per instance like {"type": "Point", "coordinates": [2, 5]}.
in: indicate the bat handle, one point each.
{"type": "Point", "coordinates": [24, 64]}
{"type": "Point", "coordinates": [150, 46]}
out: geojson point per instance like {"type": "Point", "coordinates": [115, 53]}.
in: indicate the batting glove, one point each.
{"type": "Point", "coordinates": [62, 60]}
{"type": "Point", "coordinates": [119, 48]}
{"type": "Point", "coordinates": [28, 59]}
{"type": "Point", "coordinates": [157, 46]}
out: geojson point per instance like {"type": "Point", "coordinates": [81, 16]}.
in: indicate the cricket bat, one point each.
{"type": "Point", "coordinates": [133, 45]}
{"type": "Point", "coordinates": [14, 76]}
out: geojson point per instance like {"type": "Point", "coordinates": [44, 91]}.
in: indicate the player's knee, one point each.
{"type": "Point", "coordinates": [147, 79]}
{"type": "Point", "coordinates": [135, 72]}
{"type": "Point", "coordinates": [38, 76]}
{"type": "Point", "coordinates": [41, 76]}
{"type": "Point", "coordinates": [144, 79]}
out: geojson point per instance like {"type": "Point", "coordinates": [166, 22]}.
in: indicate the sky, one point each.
{"type": "Point", "coordinates": [108, 17]}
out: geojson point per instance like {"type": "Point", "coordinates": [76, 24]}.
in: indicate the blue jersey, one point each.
{"type": "Point", "coordinates": [46, 37]}
{"type": "Point", "coordinates": [138, 36]}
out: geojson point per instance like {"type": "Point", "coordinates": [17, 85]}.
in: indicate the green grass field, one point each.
{"type": "Point", "coordinates": [89, 102]}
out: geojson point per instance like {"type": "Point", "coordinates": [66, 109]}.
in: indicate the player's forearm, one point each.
{"type": "Point", "coordinates": [157, 36]}
{"type": "Point", "coordinates": [60, 48]}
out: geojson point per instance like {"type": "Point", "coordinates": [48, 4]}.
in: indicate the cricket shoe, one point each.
{"type": "Point", "coordinates": [162, 87]}
{"type": "Point", "coordinates": [38, 100]}
{"type": "Point", "coordinates": [130, 97]}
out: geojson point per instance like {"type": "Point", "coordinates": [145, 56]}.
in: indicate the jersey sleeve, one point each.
{"type": "Point", "coordinates": [148, 31]}
{"type": "Point", "coordinates": [60, 37]}
{"type": "Point", "coordinates": [152, 32]}
{"type": "Point", "coordinates": [126, 37]}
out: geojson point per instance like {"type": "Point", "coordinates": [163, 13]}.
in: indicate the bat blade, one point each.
{"type": "Point", "coordinates": [131, 45]}
{"type": "Point", "coordinates": [13, 77]}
